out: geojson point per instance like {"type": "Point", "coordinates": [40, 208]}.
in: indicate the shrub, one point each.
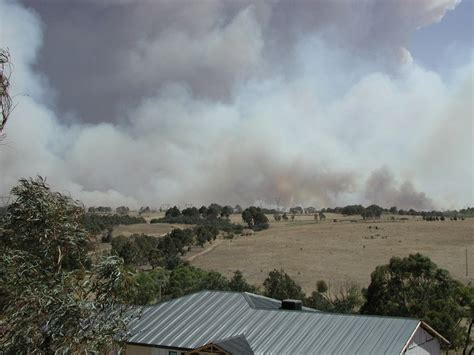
{"type": "Point", "coordinates": [260, 227]}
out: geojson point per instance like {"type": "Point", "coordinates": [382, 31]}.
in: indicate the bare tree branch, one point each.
{"type": "Point", "coordinates": [5, 99]}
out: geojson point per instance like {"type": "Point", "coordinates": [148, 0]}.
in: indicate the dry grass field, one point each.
{"type": "Point", "coordinates": [341, 252]}
{"type": "Point", "coordinates": [155, 229]}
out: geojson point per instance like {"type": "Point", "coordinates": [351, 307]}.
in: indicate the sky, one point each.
{"type": "Point", "coordinates": [314, 103]}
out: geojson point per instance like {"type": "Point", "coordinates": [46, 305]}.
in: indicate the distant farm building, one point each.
{"type": "Point", "coordinates": [216, 322]}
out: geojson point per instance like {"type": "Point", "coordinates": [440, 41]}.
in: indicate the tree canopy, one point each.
{"type": "Point", "coordinates": [415, 287]}
{"type": "Point", "coordinates": [255, 218]}
{"type": "Point", "coordinates": [53, 297]}
{"type": "Point", "coordinates": [281, 286]}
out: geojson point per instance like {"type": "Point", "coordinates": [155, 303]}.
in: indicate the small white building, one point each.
{"type": "Point", "coordinates": [216, 322]}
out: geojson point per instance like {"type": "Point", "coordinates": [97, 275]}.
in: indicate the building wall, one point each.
{"type": "Point", "coordinates": [423, 343]}
{"type": "Point", "coordinates": [148, 350]}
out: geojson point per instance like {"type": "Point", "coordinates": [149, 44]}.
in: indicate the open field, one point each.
{"type": "Point", "coordinates": [156, 229]}
{"type": "Point", "coordinates": [341, 252]}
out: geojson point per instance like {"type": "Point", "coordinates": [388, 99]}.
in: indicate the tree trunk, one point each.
{"type": "Point", "coordinates": [468, 338]}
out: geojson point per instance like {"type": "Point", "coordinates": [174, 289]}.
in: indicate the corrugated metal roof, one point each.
{"type": "Point", "coordinates": [235, 345]}
{"type": "Point", "coordinates": [204, 317]}
{"type": "Point", "coordinates": [262, 302]}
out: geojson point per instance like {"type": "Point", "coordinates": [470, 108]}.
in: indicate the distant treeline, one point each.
{"type": "Point", "coordinates": [215, 210]}
{"type": "Point", "coordinates": [215, 216]}
{"type": "Point", "coordinates": [377, 211]}
{"type": "Point", "coordinates": [105, 209]}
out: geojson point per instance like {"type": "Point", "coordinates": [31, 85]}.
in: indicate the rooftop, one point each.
{"type": "Point", "coordinates": [207, 317]}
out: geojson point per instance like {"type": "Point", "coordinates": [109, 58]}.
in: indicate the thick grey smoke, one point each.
{"type": "Point", "coordinates": [234, 102]}
{"type": "Point", "coordinates": [105, 55]}
{"type": "Point", "coordinates": [381, 189]}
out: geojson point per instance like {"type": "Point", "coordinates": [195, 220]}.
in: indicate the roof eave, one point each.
{"type": "Point", "coordinates": [435, 333]}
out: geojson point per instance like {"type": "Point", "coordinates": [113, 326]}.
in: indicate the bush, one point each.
{"type": "Point", "coordinates": [229, 236]}
{"type": "Point", "coordinates": [260, 227]}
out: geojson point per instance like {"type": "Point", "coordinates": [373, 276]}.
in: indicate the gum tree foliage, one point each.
{"type": "Point", "coordinates": [203, 217]}
{"type": "Point", "coordinates": [188, 279]}
{"type": "Point", "coordinates": [205, 234]}
{"type": "Point", "coordinates": [216, 208]}
{"type": "Point", "coordinates": [148, 287]}
{"type": "Point", "coordinates": [141, 249]}
{"type": "Point", "coordinates": [348, 299]}
{"type": "Point", "coordinates": [281, 286]}
{"type": "Point", "coordinates": [173, 212]}
{"type": "Point", "coordinates": [254, 216]}
{"type": "Point", "coordinates": [213, 211]}
{"type": "Point", "coordinates": [226, 211]}
{"type": "Point", "coordinates": [52, 296]}
{"type": "Point", "coordinates": [238, 283]}
{"type": "Point", "coordinates": [372, 211]}
{"type": "Point", "coordinates": [415, 287]}
{"type": "Point", "coordinates": [351, 210]}
{"type": "Point", "coordinates": [97, 223]}
{"type": "Point", "coordinates": [203, 210]}
{"type": "Point", "coordinates": [190, 212]}
{"type": "Point", "coordinates": [297, 210]}
{"type": "Point", "coordinates": [122, 210]}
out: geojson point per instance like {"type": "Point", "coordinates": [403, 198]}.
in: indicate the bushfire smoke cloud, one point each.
{"type": "Point", "coordinates": [312, 103]}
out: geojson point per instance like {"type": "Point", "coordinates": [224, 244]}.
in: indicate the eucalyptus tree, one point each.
{"type": "Point", "coordinates": [53, 297]}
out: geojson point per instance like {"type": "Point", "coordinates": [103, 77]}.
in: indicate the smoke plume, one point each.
{"type": "Point", "coordinates": [310, 103]}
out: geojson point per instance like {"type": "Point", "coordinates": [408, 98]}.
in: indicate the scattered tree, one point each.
{"type": "Point", "coordinates": [416, 287]}
{"type": "Point", "coordinates": [122, 210]}
{"type": "Point", "coordinates": [227, 211]}
{"type": "Point", "coordinates": [281, 286]}
{"type": "Point", "coordinates": [238, 283]}
{"type": "Point", "coordinates": [255, 218]}
{"type": "Point", "coordinates": [173, 212]}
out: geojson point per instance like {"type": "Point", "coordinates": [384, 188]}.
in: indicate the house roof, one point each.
{"type": "Point", "coordinates": [235, 345]}
{"type": "Point", "coordinates": [210, 316]}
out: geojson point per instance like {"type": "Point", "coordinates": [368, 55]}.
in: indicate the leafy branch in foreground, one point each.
{"type": "Point", "coordinates": [52, 296]}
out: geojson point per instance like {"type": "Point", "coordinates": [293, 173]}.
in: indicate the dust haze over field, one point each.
{"type": "Point", "coordinates": [143, 103]}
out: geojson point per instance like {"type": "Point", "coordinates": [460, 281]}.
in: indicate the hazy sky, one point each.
{"type": "Point", "coordinates": [315, 102]}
